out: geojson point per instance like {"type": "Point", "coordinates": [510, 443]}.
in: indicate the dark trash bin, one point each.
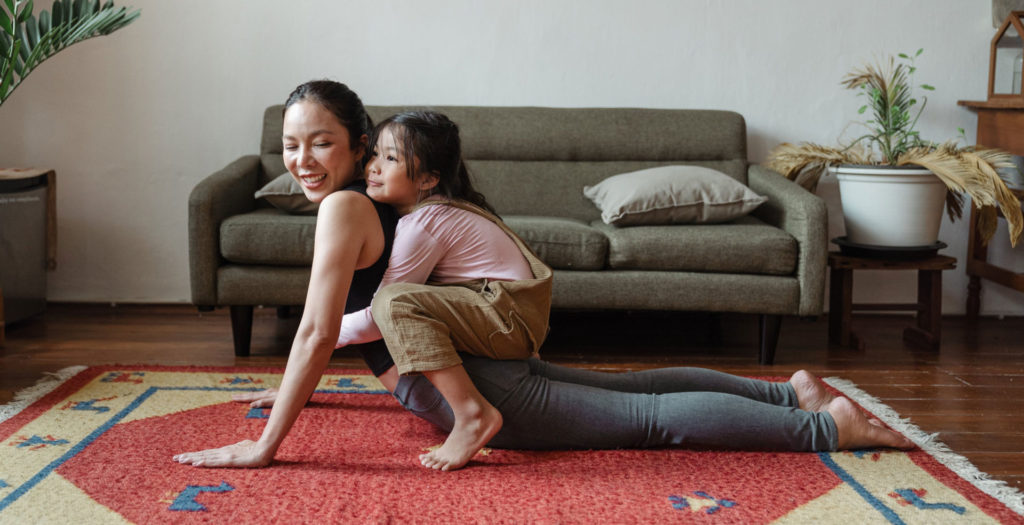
{"type": "Point", "coordinates": [23, 202]}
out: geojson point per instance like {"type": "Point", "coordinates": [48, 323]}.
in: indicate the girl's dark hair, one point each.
{"type": "Point", "coordinates": [340, 101]}
{"type": "Point", "coordinates": [432, 139]}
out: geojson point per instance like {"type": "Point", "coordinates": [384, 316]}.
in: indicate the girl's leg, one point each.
{"type": "Point", "coordinates": [423, 326]}
{"type": "Point", "coordinates": [476, 420]}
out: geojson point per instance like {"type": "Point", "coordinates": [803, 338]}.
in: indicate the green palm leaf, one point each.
{"type": "Point", "coordinates": [26, 41]}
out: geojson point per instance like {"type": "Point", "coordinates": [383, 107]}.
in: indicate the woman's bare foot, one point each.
{"type": "Point", "coordinates": [810, 393]}
{"type": "Point", "coordinates": [857, 431]}
{"type": "Point", "coordinates": [466, 439]}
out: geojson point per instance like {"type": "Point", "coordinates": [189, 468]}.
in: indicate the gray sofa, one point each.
{"type": "Point", "coordinates": [532, 164]}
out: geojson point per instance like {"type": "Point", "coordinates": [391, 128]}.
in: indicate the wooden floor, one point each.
{"type": "Point", "coordinates": [971, 392]}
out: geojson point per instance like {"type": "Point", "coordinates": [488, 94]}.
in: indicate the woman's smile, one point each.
{"type": "Point", "coordinates": [312, 180]}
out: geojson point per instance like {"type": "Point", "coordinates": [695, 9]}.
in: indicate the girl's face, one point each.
{"type": "Point", "coordinates": [317, 150]}
{"type": "Point", "coordinates": [387, 178]}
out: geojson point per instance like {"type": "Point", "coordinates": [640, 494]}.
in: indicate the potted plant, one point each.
{"type": "Point", "coordinates": [893, 183]}
{"type": "Point", "coordinates": [26, 41]}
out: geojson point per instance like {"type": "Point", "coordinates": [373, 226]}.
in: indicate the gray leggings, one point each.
{"type": "Point", "coordinates": [547, 406]}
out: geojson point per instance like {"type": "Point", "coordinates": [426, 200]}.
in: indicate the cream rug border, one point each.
{"type": "Point", "coordinates": [49, 382]}
{"type": "Point", "coordinates": [1009, 496]}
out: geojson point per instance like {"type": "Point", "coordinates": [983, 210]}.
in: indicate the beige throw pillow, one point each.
{"type": "Point", "coordinates": [285, 194]}
{"type": "Point", "coordinates": [672, 195]}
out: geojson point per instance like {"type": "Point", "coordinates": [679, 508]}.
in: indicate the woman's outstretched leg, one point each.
{"type": "Point", "coordinates": [803, 390]}
{"type": "Point", "coordinates": [542, 414]}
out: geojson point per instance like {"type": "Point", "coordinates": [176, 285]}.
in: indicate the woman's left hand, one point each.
{"type": "Point", "coordinates": [246, 453]}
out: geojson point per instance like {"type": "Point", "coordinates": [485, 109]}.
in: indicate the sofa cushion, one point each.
{"type": "Point", "coordinates": [268, 236]}
{"type": "Point", "coordinates": [746, 245]}
{"type": "Point", "coordinates": [286, 195]}
{"type": "Point", "coordinates": [672, 195]}
{"type": "Point", "coordinates": [562, 243]}
{"type": "Point", "coordinates": [555, 188]}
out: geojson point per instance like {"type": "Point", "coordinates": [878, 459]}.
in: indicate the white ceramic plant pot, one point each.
{"type": "Point", "coordinates": [891, 206]}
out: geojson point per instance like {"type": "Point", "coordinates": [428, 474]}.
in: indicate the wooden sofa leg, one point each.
{"type": "Point", "coordinates": [241, 329]}
{"type": "Point", "coordinates": [769, 336]}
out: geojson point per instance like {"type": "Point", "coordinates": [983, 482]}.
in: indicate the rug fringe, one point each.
{"type": "Point", "coordinates": [1009, 496]}
{"type": "Point", "coordinates": [47, 384]}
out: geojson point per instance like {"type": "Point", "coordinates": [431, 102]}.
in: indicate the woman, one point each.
{"type": "Point", "coordinates": [542, 405]}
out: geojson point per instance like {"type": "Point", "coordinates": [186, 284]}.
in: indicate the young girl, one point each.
{"type": "Point", "coordinates": [543, 406]}
{"type": "Point", "coordinates": [489, 294]}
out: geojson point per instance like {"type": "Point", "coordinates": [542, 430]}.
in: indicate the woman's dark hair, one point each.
{"type": "Point", "coordinates": [432, 139]}
{"type": "Point", "coordinates": [341, 101]}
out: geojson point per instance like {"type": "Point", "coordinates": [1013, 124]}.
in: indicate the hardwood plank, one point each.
{"type": "Point", "coordinates": [956, 407]}
{"type": "Point", "coordinates": [987, 442]}
{"type": "Point", "coordinates": [971, 423]}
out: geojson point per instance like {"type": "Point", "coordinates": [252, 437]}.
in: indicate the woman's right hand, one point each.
{"type": "Point", "coordinates": [246, 453]}
{"type": "Point", "coordinates": [261, 399]}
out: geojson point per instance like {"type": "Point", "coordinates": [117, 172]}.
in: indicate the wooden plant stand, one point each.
{"type": "Point", "coordinates": [926, 332]}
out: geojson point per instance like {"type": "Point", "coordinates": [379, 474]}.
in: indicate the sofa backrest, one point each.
{"type": "Point", "coordinates": [536, 161]}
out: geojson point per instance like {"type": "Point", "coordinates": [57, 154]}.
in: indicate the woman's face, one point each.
{"type": "Point", "coordinates": [317, 150]}
{"type": "Point", "coordinates": [387, 178]}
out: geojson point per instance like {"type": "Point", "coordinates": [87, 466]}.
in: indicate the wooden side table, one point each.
{"type": "Point", "coordinates": [979, 268]}
{"type": "Point", "coordinates": [1000, 125]}
{"type": "Point", "coordinates": [927, 329]}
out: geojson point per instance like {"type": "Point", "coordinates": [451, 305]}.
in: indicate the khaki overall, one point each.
{"type": "Point", "coordinates": [424, 325]}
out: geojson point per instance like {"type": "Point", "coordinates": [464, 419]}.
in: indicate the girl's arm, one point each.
{"type": "Point", "coordinates": [348, 236]}
{"type": "Point", "coordinates": [413, 257]}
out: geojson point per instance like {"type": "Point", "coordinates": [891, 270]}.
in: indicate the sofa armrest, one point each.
{"type": "Point", "coordinates": [804, 216]}
{"type": "Point", "coordinates": [225, 193]}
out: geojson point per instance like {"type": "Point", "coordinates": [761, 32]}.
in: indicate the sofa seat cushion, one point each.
{"type": "Point", "coordinates": [564, 244]}
{"type": "Point", "coordinates": [268, 236]}
{"type": "Point", "coordinates": [746, 245]}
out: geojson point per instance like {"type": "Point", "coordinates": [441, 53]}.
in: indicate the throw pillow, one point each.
{"type": "Point", "coordinates": [285, 194]}
{"type": "Point", "coordinates": [672, 195]}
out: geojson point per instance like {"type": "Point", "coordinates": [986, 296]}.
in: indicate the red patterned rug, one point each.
{"type": "Point", "coordinates": [95, 445]}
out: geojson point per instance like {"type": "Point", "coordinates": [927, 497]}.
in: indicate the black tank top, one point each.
{"type": "Point", "coordinates": [366, 281]}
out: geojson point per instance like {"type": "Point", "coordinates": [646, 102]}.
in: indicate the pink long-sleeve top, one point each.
{"type": "Point", "coordinates": [442, 244]}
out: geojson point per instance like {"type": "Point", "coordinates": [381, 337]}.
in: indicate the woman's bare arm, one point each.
{"type": "Point", "coordinates": [348, 237]}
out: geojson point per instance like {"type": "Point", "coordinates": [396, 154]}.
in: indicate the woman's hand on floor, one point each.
{"type": "Point", "coordinates": [260, 399]}
{"type": "Point", "coordinates": [246, 453]}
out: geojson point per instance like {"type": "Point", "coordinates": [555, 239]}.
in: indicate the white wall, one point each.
{"type": "Point", "coordinates": [133, 120]}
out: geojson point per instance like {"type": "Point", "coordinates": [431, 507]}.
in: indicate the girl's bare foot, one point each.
{"type": "Point", "coordinates": [810, 393]}
{"type": "Point", "coordinates": [857, 431]}
{"type": "Point", "coordinates": [466, 439]}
